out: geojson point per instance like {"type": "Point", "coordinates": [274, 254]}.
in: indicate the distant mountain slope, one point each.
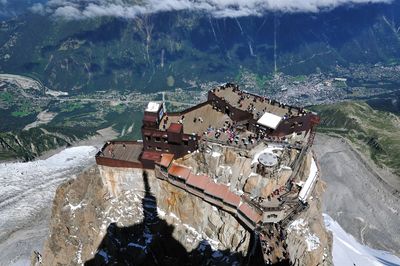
{"type": "Point", "coordinates": [146, 52]}
{"type": "Point", "coordinates": [374, 132]}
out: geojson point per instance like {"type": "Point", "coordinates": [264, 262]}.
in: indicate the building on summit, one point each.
{"type": "Point", "coordinates": [229, 116]}
{"type": "Point", "coordinates": [279, 137]}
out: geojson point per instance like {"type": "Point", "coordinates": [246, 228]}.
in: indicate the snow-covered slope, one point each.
{"type": "Point", "coordinates": [26, 194]}
{"type": "Point", "coordinates": [348, 252]}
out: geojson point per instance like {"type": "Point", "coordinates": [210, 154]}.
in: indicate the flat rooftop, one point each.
{"type": "Point", "coordinates": [197, 120]}
{"type": "Point", "coordinates": [245, 101]}
{"type": "Point", "coordinates": [124, 151]}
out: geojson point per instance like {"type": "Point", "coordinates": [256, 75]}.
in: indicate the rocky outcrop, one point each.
{"type": "Point", "coordinates": [106, 205]}
{"type": "Point", "coordinates": [120, 215]}
{"type": "Point", "coordinates": [309, 243]}
{"type": "Point", "coordinates": [236, 169]}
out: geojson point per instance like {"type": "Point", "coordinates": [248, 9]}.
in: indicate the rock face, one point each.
{"type": "Point", "coordinates": [308, 241]}
{"type": "Point", "coordinates": [111, 215]}
{"type": "Point", "coordinates": [124, 216]}
{"type": "Point", "coordinates": [236, 168]}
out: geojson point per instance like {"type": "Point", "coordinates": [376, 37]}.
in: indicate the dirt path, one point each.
{"type": "Point", "coordinates": [356, 197]}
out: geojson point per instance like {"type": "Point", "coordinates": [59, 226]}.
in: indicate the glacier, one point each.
{"type": "Point", "coordinates": [347, 251]}
{"type": "Point", "coordinates": [27, 190]}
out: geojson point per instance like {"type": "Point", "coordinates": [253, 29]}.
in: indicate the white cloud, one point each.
{"type": "Point", "coordinates": [38, 8]}
{"type": "Point", "coordinates": [81, 9]}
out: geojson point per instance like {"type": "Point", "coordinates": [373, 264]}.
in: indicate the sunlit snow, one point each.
{"type": "Point", "coordinates": [348, 252]}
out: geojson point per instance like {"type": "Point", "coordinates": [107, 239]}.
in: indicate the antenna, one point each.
{"type": "Point", "coordinates": [275, 56]}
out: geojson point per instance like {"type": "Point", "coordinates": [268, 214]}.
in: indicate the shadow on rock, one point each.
{"type": "Point", "coordinates": [151, 243]}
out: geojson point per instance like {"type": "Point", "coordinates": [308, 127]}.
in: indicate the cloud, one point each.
{"type": "Point", "coordinates": [81, 9]}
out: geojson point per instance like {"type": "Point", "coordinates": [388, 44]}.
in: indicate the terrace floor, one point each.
{"type": "Point", "coordinates": [124, 151]}
{"type": "Point", "coordinates": [233, 98]}
{"type": "Point", "coordinates": [197, 121]}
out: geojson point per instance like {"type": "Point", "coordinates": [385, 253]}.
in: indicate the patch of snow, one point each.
{"type": "Point", "coordinates": [302, 228]}
{"type": "Point", "coordinates": [160, 212]}
{"type": "Point", "coordinates": [147, 236]}
{"type": "Point", "coordinates": [202, 247]}
{"type": "Point", "coordinates": [348, 252]}
{"type": "Point", "coordinates": [297, 224]}
{"type": "Point", "coordinates": [213, 243]}
{"type": "Point", "coordinates": [75, 207]}
{"type": "Point", "coordinates": [174, 216]}
{"type": "Point", "coordinates": [200, 237]}
{"type": "Point", "coordinates": [79, 254]}
{"type": "Point", "coordinates": [312, 242]}
{"type": "Point", "coordinates": [392, 210]}
{"type": "Point", "coordinates": [215, 154]}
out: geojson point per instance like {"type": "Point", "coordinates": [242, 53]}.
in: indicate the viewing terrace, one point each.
{"type": "Point", "coordinates": [197, 120]}
{"type": "Point", "coordinates": [120, 154]}
{"type": "Point", "coordinates": [252, 103]}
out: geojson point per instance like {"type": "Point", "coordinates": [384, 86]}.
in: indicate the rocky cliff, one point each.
{"type": "Point", "coordinates": [308, 241]}
{"type": "Point", "coordinates": [113, 215]}
{"type": "Point", "coordinates": [117, 215]}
